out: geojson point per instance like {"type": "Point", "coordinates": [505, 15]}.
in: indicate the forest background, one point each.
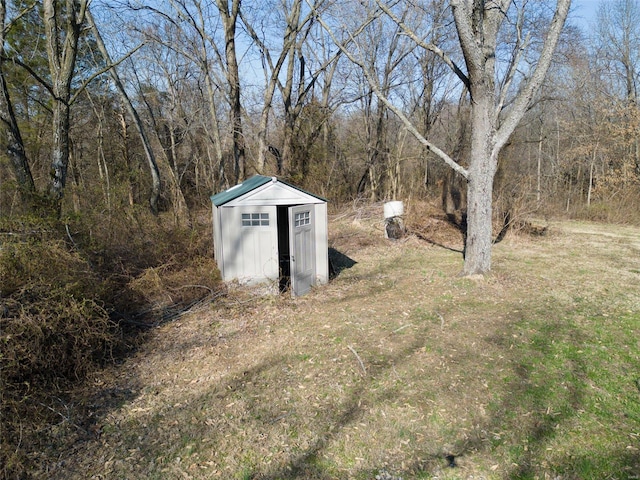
{"type": "Point", "coordinates": [221, 91]}
{"type": "Point", "coordinates": [121, 118]}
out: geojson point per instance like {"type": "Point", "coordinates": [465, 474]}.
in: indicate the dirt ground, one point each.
{"type": "Point", "coordinates": [398, 368]}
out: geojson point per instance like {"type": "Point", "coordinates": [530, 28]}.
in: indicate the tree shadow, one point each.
{"type": "Point", "coordinates": [430, 241]}
{"type": "Point", "coordinates": [532, 405]}
{"type": "Point", "coordinates": [260, 389]}
{"type": "Point", "coordinates": [535, 409]}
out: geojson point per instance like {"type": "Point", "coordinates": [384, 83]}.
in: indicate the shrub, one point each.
{"type": "Point", "coordinates": [54, 330]}
{"type": "Point", "coordinates": [62, 284]}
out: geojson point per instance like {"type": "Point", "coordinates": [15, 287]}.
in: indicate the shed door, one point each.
{"type": "Point", "coordinates": [253, 244]}
{"type": "Point", "coordinates": [302, 248]}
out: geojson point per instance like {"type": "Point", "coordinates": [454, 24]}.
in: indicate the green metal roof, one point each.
{"type": "Point", "coordinates": [239, 190]}
{"type": "Point", "coordinates": [250, 184]}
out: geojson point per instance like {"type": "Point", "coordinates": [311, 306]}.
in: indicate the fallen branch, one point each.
{"type": "Point", "coordinates": [402, 328]}
{"type": "Point", "coordinates": [66, 418]}
{"type": "Point", "coordinates": [192, 286]}
{"type": "Point", "coordinates": [359, 359]}
{"type": "Point", "coordinates": [161, 314]}
{"type": "Point", "coordinates": [66, 227]}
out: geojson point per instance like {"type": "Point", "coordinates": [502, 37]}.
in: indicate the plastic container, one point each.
{"type": "Point", "coordinates": [393, 209]}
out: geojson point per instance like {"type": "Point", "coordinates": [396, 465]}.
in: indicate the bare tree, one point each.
{"type": "Point", "coordinates": [151, 160]}
{"type": "Point", "coordinates": [499, 92]}
{"type": "Point", "coordinates": [166, 72]}
{"type": "Point", "coordinates": [62, 51]}
{"type": "Point", "coordinates": [194, 25]}
{"type": "Point", "coordinates": [294, 24]}
{"type": "Point", "coordinates": [229, 11]}
{"type": "Point", "coordinates": [14, 144]}
{"type": "Point", "coordinates": [618, 37]}
{"type": "Point", "coordinates": [384, 51]}
{"type": "Point", "coordinates": [437, 87]}
{"type": "Point", "coordinates": [201, 56]}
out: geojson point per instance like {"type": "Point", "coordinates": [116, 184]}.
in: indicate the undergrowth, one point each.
{"type": "Point", "coordinates": [74, 296]}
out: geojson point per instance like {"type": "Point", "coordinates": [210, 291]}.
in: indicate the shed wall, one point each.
{"type": "Point", "coordinates": [217, 241]}
{"type": "Point", "coordinates": [322, 244]}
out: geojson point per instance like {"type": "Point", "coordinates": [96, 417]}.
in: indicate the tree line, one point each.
{"type": "Point", "coordinates": [494, 106]}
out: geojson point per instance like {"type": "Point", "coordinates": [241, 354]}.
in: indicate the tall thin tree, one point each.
{"type": "Point", "coordinates": [126, 100]}
{"type": "Point", "coordinates": [229, 11]}
{"type": "Point", "coordinates": [14, 143]}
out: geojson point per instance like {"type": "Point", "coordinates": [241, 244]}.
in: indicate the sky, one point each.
{"type": "Point", "coordinates": [584, 11]}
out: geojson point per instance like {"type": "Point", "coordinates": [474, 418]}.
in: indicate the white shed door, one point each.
{"type": "Point", "coordinates": [253, 251]}
{"type": "Point", "coordinates": [302, 248]}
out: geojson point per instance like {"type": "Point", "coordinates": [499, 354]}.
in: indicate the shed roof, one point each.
{"type": "Point", "coordinates": [249, 185]}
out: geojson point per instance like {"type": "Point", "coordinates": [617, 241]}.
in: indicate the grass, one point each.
{"type": "Point", "coordinates": [398, 365]}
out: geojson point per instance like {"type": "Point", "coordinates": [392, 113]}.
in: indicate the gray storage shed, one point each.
{"type": "Point", "coordinates": [267, 230]}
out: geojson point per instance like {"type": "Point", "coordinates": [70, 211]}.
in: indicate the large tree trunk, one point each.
{"type": "Point", "coordinates": [479, 47]}
{"type": "Point", "coordinates": [62, 50]}
{"type": "Point", "coordinates": [478, 233]}
{"type": "Point", "coordinates": [482, 168]}
{"type": "Point", "coordinates": [229, 14]}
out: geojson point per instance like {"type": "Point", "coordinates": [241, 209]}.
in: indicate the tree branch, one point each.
{"type": "Point", "coordinates": [525, 95]}
{"type": "Point", "coordinates": [427, 46]}
{"type": "Point", "coordinates": [470, 49]}
{"type": "Point", "coordinates": [21, 14]}
{"type": "Point", "coordinates": [372, 81]}
{"type": "Point", "coordinates": [31, 72]}
{"type": "Point", "coordinates": [105, 69]}
{"type": "Point", "coordinates": [513, 65]}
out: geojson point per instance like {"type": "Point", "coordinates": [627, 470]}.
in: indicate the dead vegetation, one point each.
{"type": "Point", "coordinates": [397, 368]}
{"type": "Point", "coordinates": [69, 306]}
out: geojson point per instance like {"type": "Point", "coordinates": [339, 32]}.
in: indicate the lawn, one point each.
{"type": "Point", "coordinates": [398, 368]}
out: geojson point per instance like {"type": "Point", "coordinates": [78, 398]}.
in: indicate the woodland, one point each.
{"type": "Point", "coordinates": [120, 119]}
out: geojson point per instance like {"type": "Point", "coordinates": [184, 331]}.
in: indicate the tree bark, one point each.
{"type": "Point", "coordinates": [482, 169]}
{"type": "Point", "coordinates": [62, 50]}
{"type": "Point", "coordinates": [229, 14]}
{"type": "Point", "coordinates": [15, 146]}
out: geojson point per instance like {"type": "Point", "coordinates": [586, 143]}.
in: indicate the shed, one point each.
{"type": "Point", "coordinates": [267, 230]}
